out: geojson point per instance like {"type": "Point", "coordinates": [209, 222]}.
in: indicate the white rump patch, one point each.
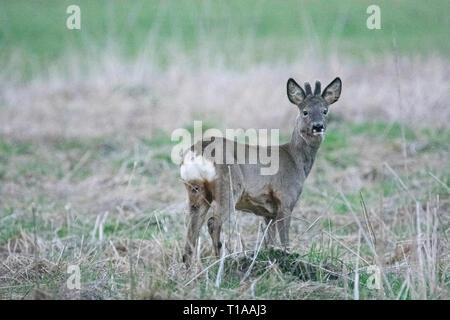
{"type": "Point", "coordinates": [197, 167]}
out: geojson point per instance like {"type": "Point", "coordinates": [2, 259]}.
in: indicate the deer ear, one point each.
{"type": "Point", "coordinates": [332, 91]}
{"type": "Point", "coordinates": [294, 92]}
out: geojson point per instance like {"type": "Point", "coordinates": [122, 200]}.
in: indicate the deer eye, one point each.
{"type": "Point", "coordinates": [305, 113]}
{"type": "Point", "coordinates": [325, 111]}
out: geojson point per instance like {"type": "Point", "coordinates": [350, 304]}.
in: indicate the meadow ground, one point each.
{"type": "Point", "coordinates": [85, 140]}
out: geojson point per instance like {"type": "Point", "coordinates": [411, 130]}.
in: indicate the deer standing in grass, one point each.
{"type": "Point", "coordinates": [242, 187]}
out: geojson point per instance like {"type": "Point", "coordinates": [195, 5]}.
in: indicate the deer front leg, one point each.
{"type": "Point", "coordinates": [283, 224]}
{"type": "Point", "coordinates": [270, 238]}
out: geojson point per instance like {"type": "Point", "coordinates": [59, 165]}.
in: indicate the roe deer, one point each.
{"type": "Point", "coordinates": [242, 187]}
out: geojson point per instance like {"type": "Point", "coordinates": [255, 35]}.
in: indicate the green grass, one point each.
{"type": "Point", "coordinates": [270, 31]}
{"type": "Point", "coordinates": [382, 130]}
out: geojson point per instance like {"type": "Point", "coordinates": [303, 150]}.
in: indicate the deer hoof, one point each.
{"type": "Point", "coordinates": [187, 260]}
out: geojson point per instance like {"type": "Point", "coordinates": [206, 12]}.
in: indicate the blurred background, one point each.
{"type": "Point", "coordinates": [85, 123]}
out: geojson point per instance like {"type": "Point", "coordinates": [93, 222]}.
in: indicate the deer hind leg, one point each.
{"type": "Point", "coordinates": [199, 203]}
{"type": "Point", "coordinates": [222, 211]}
{"type": "Point", "coordinates": [214, 229]}
{"type": "Point", "coordinates": [226, 196]}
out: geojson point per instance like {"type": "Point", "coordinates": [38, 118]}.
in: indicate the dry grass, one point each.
{"type": "Point", "coordinates": [114, 96]}
{"type": "Point", "coordinates": [80, 149]}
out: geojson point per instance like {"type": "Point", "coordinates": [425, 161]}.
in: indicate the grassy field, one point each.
{"type": "Point", "coordinates": [237, 32]}
{"type": "Point", "coordinates": [85, 172]}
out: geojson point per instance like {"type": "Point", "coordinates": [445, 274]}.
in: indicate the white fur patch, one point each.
{"type": "Point", "coordinates": [197, 167]}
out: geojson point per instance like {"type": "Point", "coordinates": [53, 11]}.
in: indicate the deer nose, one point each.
{"type": "Point", "coordinates": [317, 127]}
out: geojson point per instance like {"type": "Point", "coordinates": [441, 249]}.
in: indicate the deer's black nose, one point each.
{"type": "Point", "coordinates": [317, 127]}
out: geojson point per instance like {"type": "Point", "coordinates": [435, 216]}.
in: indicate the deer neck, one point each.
{"type": "Point", "coordinates": [303, 149]}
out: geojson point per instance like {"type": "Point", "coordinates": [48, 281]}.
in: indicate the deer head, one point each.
{"type": "Point", "coordinates": [313, 107]}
